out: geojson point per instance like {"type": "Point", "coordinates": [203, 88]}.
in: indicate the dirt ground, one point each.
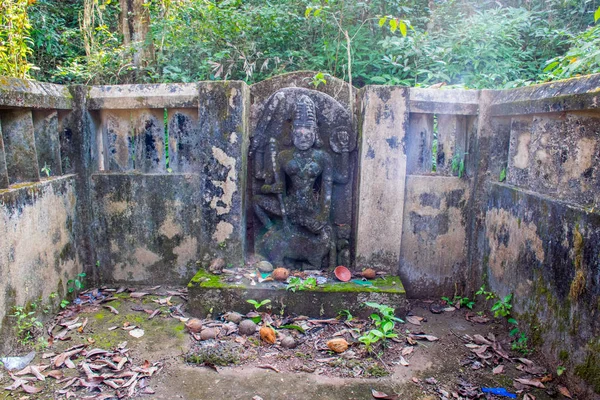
{"type": "Point", "coordinates": [142, 353]}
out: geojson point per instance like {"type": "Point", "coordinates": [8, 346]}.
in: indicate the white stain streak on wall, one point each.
{"type": "Point", "coordinates": [222, 202]}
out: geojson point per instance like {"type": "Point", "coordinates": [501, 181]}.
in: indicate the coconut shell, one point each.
{"type": "Point", "coordinates": [369, 273]}
{"type": "Point", "coordinates": [281, 274]}
{"type": "Point", "coordinates": [342, 273]}
{"type": "Point", "coordinates": [194, 325]}
{"type": "Point", "coordinates": [267, 334]}
{"type": "Point", "coordinates": [339, 345]}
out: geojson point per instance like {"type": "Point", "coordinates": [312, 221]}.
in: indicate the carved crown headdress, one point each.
{"type": "Point", "coordinates": [304, 114]}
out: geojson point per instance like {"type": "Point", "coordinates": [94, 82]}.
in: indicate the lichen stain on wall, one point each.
{"type": "Point", "coordinates": [222, 203]}
{"type": "Point", "coordinates": [138, 270]}
{"type": "Point", "coordinates": [508, 236]}
{"type": "Point", "coordinates": [170, 228]}
{"type": "Point", "coordinates": [521, 158]}
{"type": "Point", "coordinates": [37, 250]}
{"type": "Point", "coordinates": [186, 253]}
{"type": "Point", "coordinates": [223, 231]}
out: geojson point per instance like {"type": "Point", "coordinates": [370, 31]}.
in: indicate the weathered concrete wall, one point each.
{"type": "Point", "coordinates": [39, 247]}
{"type": "Point", "coordinates": [537, 234]}
{"type": "Point", "coordinates": [382, 177]}
{"type": "Point", "coordinates": [557, 155]}
{"type": "Point", "coordinates": [545, 252]}
{"type": "Point", "coordinates": [148, 227]}
{"type": "Point", "coordinates": [434, 237]}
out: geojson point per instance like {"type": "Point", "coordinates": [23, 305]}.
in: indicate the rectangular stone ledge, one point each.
{"type": "Point", "coordinates": [212, 294]}
{"type": "Point", "coordinates": [163, 95]}
{"type": "Point", "coordinates": [582, 93]}
{"type": "Point", "coordinates": [496, 186]}
{"type": "Point", "coordinates": [439, 101]}
{"type": "Point", "coordinates": [23, 93]}
{"type": "Point", "coordinates": [33, 187]}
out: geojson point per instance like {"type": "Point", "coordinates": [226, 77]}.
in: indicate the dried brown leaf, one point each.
{"type": "Point", "coordinates": [531, 382]}
{"type": "Point", "coordinates": [565, 392]}
{"type": "Point", "coordinates": [498, 370]}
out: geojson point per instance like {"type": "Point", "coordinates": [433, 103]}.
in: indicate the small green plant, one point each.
{"type": "Point", "coordinates": [502, 177]}
{"type": "Point", "coordinates": [76, 284]}
{"type": "Point", "coordinates": [297, 283]}
{"type": "Point", "coordinates": [561, 369]}
{"type": "Point", "coordinates": [458, 164]}
{"type": "Point", "coordinates": [385, 323]}
{"type": "Point", "coordinates": [222, 245]}
{"type": "Point", "coordinates": [258, 305]}
{"type": "Point", "coordinates": [318, 79]}
{"type": "Point", "coordinates": [64, 303]}
{"type": "Point", "coordinates": [485, 293]}
{"type": "Point", "coordinates": [26, 324]}
{"type": "Point", "coordinates": [502, 307]}
{"type": "Point", "coordinates": [460, 301]}
{"type": "Point", "coordinates": [520, 344]}
{"type": "Point", "coordinates": [347, 314]}
{"type": "Point", "coordinates": [46, 169]}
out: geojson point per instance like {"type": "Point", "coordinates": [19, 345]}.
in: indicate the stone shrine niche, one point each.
{"type": "Point", "coordinates": [301, 164]}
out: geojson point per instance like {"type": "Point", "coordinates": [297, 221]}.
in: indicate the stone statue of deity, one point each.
{"type": "Point", "coordinates": [294, 201]}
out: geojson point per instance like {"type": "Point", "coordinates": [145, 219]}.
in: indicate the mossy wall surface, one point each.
{"type": "Point", "coordinates": [38, 246]}
{"type": "Point", "coordinates": [545, 252]}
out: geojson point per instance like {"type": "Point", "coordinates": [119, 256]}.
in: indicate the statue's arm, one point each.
{"type": "Point", "coordinates": [342, 174]}
{"type": "Point", "coordinates": [278, 187]}
{"type": "Point", "coordinates": [326, 187]}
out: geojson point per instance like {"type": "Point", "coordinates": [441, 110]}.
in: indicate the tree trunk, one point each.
{"type": "Point", "coordinates": [135, 25]}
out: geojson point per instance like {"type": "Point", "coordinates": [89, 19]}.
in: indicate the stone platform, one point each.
{"type": "Point", "coordinates": [212, 294]}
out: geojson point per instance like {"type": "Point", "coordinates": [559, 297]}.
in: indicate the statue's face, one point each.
{"type": "Point", "coordinates": [304, 137]}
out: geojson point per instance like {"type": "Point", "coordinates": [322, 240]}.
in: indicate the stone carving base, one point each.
{"type": "Point", "coordinates": [210, 293]}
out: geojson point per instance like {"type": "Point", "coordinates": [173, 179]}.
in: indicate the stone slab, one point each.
{"type": "Point", "coordinates": [15, 92]}
{"type": "Point", "coordinates": [212, 294]}
{"type": "Point", "coordinates": [545, 252]}
{"type": "Point", "coordinates": [444, 101]}
{"type": "Point", "coordinates": [574, 94]}
{"type": "Point", "coordinates": [148, 227]}
{"type": "Point", "coordinates": [433, 257]}
{"type": "Point", "coordinates": [223, 128]}
{"type": "Point", "coordinates": [558, 155]}
{"type": "Point", "coordinates": [149, 142]}
{"type": "Point", "coordinates": [129, 97]}
{"type": "Point", "coordinates": [382, 177]}
{"type": "Point", "coordinates": [3, 171]}
{"type": "Point", "coordinates": [19, 146]}
{"type": "Point", "coordinates": [47, 142]}
{"type": "Point", "coordinates": [185, 142]}
{"type": "Point", "coordinates": [38, 246]}
{"type": "Point", "coordinates": [419, 143]}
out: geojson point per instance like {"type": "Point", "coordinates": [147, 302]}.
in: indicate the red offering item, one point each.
{"type": "Point", "coordinates": [342, 273]}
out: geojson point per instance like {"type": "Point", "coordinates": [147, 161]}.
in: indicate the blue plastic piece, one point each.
{"type": "Point", "coordinates": [499, 392]}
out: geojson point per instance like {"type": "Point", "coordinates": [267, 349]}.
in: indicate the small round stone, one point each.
{"type": "Point", "coordinates": [247, 327]}
{"type": "Point", "coordinates": [288, 342]}
{"type": "Point", "coordinates": [194, 325]}
{"type": "Point", "coordinates": [234, 317]}
{"type": "Point", "coordinates": [264, 266]}
{"type": "Point", "coordinates": [208, 333]}
{"type": "Point", "coordinates": [281, 274]}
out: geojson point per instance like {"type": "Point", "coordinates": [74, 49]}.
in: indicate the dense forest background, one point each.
{"type": "Point", "coordinates": [468, 43]}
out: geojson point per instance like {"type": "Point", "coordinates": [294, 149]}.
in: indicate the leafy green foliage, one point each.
{"type": "Point", "coordinates": [466, 43]}
{"type": "Point", "coordinates": [459, 301]}
{"type": "Point", "coordinates": [258, 305]}
{"type": "Point", "coordinates": [502, 307]}
{"type": "Point", "coordinates": [296, 283]}
{"type": "Point", "coordinates": [384, 322]}
{"type": "Point", "coordinates": [76, 284]}
{"type": "Point", "coordinates": [26, 324]}
{"type": "Point", "coordinates": [14, 38]}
